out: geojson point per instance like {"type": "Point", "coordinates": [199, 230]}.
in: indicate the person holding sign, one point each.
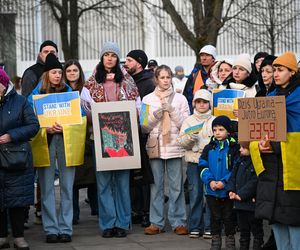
{"type": "Point", "coordinates": [110, 82]}
{"type": "Point", "coordinates": [216, 163]}
{"type": "Point", "coordinates": [195, 133]}
{"type": "Point", "coordinates": [167, 110]}
{"type": "Point", "coordinates": [57, 145]}
{"type": "Point", "coordinates": [277, 163]}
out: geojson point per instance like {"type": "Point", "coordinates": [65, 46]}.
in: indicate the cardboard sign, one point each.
{"type": "Point", "coordinates": [116, 136]}
{"type": "Point", "coordinates": [261, 116]}
{"type": "Point", "coordinates": [224, 101]}
{"type": "Point", "coordinates": [62, 108]}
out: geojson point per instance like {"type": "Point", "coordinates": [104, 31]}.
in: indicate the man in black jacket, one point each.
{"type": "Point", "coordinates": [32, 75]}
{"type": "Point", "coordinates": [136, 61]}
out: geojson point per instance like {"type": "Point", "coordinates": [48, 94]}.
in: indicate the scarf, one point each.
{"type": "Point", "coordinates": [128, 88]}
{"type": "Point", "coordinates": [164, 96]}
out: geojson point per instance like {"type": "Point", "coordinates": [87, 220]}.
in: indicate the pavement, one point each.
{"type": "Point", "coordinates": [87, 236]}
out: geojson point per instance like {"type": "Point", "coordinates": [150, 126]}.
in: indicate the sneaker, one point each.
{"type": "Point", "coordinates": [207, 235]}
{"type": "Point", "coordinates": [181, 230]}
{"type": "Point", "coordinates": [20, 243]}
{"type": "Point", "coordinates": [194, 234]}
{"type": "Point", "coordinates": [4, 243]}
{"type": "Point", "coordinates": [152, 229]}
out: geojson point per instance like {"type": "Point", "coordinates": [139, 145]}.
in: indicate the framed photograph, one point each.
{"type": "Point", "coordinates": [116, 136]}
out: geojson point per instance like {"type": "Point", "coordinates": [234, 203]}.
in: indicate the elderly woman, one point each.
{"type": "Point", "coordinates": [18, 125]}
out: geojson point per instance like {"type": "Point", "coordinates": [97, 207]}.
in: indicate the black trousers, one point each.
{"type": "Point", "coordinates": [221, 213]}
{"type": "Point", "coordinates": [16, 216]}
{"type": "Point", "coordinates": [249, 224]}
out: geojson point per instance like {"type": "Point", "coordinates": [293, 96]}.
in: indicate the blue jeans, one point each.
{"type": "Point", "coordinates": [114, 199]}
{"type": "Point", "coordinates": [53, 223]}
{"type": "Point", "coordinates": [195, 219]}
{"type": "Point", "coordinates": [177, 211]}
{"type": "Point", "coordinates": [287, 237]}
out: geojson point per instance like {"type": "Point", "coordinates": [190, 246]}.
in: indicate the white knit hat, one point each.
{"type": "Point", "coordinates": [244, 61]}
{"type": "Point", "coordinates": [110, 47]}
{"type": "Point", "coordinates": [209, 49]}
{"type": "Point", "coordinates": [202, 94]}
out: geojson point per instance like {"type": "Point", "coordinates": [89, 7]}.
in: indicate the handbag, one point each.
{"type": "Point", "coordinates": [15, 156]}
{"type": "Point", "coordinates": [152, 147]}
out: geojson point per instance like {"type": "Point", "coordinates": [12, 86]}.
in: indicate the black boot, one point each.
{"type": "Point", "coordinates": [230, 242]}
{"type": "Point", "coordinates": [216, 242]}
{"type": "Point", "coordinates": [257, 244]}
{"type": "Point", "coordinates": [244, 244]}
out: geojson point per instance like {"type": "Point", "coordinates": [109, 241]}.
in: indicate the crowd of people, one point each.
{"type": "Point", "coordinates": [231, 185]}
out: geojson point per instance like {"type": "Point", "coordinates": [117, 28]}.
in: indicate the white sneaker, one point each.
{"type": "Point", "coordinates": [207, 235]}
{"type": "Point", "coordinates": [194, 234]}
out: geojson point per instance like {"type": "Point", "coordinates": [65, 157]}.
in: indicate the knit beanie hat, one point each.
{"type": "Point", "coordinates": [209, 49]}
{"type": "Point", "coordinates": [4, 78]}
{"type": "Point", "coordinates": [223, 121]}
{"type": "Point", "coordinates": [260, 55]}
{"type": "Point", "coordinates": [244, 61]}
{"type": "Point", "coordinates": [269, 59]}
{"type": "Point", "coordinates": [179, 68]}
{"type": "Point", "coordinates": [52, 63]}
{"type": "Point", "coordinates": [110, 47]}
{"type": "Point", "coordinates": [48, 43]}
{"type": "Point", "coordinates": [203, 94]}
{"type": "Point", "coordinates": [140, 56]}
{"type": "Point", "coordinates": [288, 59]}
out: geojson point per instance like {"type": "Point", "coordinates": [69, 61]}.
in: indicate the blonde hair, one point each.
{"type": "Point", "coordinates": [46, 84]}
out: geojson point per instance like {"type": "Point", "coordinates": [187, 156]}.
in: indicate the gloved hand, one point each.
{"type": "Point", "coordinates": [158, 114]}
{"type": "Point", "coordinates": [167, 107]}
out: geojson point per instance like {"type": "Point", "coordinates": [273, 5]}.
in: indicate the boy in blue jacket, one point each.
{"type": "Point", "coordinates": [242, 190]}
{"type": "Point", "coordinates": [216, 162]}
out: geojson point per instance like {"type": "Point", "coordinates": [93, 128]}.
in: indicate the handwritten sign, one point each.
{"type": "Point", "coordinates": [62, 108]}
{"type": "Point", "coordinates": [262, 116]}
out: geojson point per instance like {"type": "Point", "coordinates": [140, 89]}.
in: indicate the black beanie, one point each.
{"type": "Point", "coordinates": [269, 59]}
{"type": "Point", "coordinates": [52, 62]}
{"type": "Point", "coordinates": [48, 43]}
{"type": "Point", "coordinates": [140, 56]}
{"type": "Point", "coordinates": [260, 55]}
{"type": "Point", "coordinates": [223, 121]}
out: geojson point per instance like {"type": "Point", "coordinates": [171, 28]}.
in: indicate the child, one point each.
{"type": "Point", "coordinates": [195, 133]}
{"type": "Point", "coordinates": [242, 189]}
{"type": "Point", "coordinates": [216, 163]}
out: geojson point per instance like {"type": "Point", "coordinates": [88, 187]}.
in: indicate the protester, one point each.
{"type": "Point", "coordinates": [136, 61]}
{"type": "Point", "coordinates": [258, 59]}
{"type": "Point", "coordinates": [56, 143]}
{"type": "Point", "coordinates": [16, 80]}
{"type": "Point", "coordinates": [152, 65]}
{"type": "Point", "coordinates": [277, 163]}
{"type": "Point", "coordinates": [216, 162]}
{"type": "Point", "coordinates": [167, 110]}
{"type": "Point", "coordinates": [179, 79]}
{"type": "Point", "coordinates": [18, 125]}
{"type": "Point", "coordinates": [84, 176]}
{"type": "Point", "coordinates": [199, 75]}
{"type": "Point", "coordinates": [195, 133]}
{"type": "Point", "coordinates": [109, 83]}
{"type": "Point", "coordinates": [242, 190]}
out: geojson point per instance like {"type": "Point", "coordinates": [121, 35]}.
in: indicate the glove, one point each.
{"type": "Point", "coordinates": [167, 107]}
{"type": "Point", "coordinates": [158, 114]}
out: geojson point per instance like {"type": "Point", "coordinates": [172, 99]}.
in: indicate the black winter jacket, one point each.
{"type": "Point", "coordinates": [19, 121]}
{"type": "Point", "coordinates": [145, 82]}
{"type": "Point", "coordinates": [243, 181]}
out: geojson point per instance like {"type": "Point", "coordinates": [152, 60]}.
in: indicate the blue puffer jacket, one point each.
{"type": "Point", "coordinates": [216, 162]}
{"type": "Point", "coordinates": [19, 121]}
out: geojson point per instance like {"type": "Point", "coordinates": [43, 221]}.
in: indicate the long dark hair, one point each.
{"type": "Point", "coordinates": [101, 72]}
{"type": "Point", "coordinates": [81, 80]}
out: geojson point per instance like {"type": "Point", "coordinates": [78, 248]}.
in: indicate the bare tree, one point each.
{"type": "Point", "coordinates": [68, 12]}
{"type": "Point", "coordinates": [268, 25]}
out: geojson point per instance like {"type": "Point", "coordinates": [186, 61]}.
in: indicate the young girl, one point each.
{"type": "Point", "coordinates": [216, 162]}
{"type": "Point", "coordinates": [57, 145]}
{"type": "Point", "coordinates": [167, 110]}
{"type": "Point", "coordinates": [195, 133]}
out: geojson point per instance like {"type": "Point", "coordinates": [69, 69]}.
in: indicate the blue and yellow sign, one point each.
{"type": "Point", "coordinates": [225, 101]}
{"type": "Point", "coordinates": [62, 108]}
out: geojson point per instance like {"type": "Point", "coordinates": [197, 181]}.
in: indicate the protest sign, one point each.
{"type": "Point", "coordinates": [261, 116]}
{"type": "Point", "coordinates": [62, 108]}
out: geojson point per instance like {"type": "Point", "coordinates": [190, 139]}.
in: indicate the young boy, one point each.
{"type": "Point", "coordinates": [216, 163]}
{"type": "Point", "coordinates": [242, 190]}
{"type": "Point", "coordinates": [195, 133]}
